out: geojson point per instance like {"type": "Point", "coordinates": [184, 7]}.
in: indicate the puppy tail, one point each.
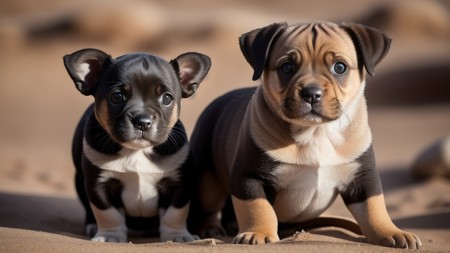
{"type": "Point", "coordinates": [324, 221]}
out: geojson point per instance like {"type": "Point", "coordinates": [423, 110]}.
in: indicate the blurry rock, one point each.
{"type": "Point", "coordinates": [120, 21]}
{"type": "Point", "coordinates": [12, 35]}
{"type": "Point", "coordinates": [434, 161]}
{"type": "Point", "coordinates": [417, 85]}
{"type": "Point", "coordinates": [420, 19]}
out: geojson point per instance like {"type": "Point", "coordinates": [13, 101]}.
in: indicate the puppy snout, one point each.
{"type": "Point", "coordinates": [311, 94]}
{"type": "Point", "coordinates": [143, 121]}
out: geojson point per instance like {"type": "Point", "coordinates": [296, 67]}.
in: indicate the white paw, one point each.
{"type": "Point", "coordinates": [184, 236]}
{"type": "Point", "coordinates": [118, 234]}
{"type": "Point", "coordinates": [104, 238]}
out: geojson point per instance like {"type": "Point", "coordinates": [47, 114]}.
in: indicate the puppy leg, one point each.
{"type": "Point", "coordinates": [90, 226]}
{"type": "Point", "coordinates": [207, 205]}
{"type": "Point", "coordinates": [364, 198]}
{"type": "Point", "coordinates": [111, 225]}
{"type": "Point", "coordinates": [257, 221]}
{"type": "Point", "coordinates": [173, 225]}
{"type": "Point", "coordinates": [378, 227]}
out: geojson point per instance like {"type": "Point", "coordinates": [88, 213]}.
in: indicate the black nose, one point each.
{"type": "Point", "coordinates": [142, 121]}
{"type": "Point", "coordinates": [311, 94]}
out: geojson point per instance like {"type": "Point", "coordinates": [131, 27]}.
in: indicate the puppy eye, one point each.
{"type": "Point", "coordinates": [339, 68]}
{"type": "Point", "coordinates": [167, 98]}
{"type": "Point", "coordinates": [117, 97]}
{"type": "Point", "coordinates": [287, 68]}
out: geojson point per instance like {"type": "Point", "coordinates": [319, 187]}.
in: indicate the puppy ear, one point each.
{"type": "Point", "coordinates": [191, 69]}
{"type": "Point", "coordinates": [85, 67]}
{"type": "Point", "coordinates": [371, 45]}
{"type": "Point", "coordinates": [255, 46]}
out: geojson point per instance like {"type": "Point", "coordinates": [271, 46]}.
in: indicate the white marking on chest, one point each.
{"type": "Point", "coordinates": [138, 174]}
{"type": "Point", "coordinates": [320, 144]}
{"type": "Point", "coordinates": [307, 191]}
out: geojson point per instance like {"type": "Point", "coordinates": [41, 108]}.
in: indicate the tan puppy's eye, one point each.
{"type": "Point", "coordinates": [287, 68]}
{"type": "Point", "coordinates": [339, 68]}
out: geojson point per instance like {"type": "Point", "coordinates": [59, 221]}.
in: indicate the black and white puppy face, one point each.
{"type": "Point", "coordinates": [137, 96]}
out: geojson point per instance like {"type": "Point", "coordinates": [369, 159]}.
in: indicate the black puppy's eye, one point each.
{"type": "Point", "coordinates": [287, 68]}
{"type": "Point", "coordinates": [339, 68]}
{"type": "Point", "coordinates": [117, 97]}
{"type": "Point", "coordinates": [167, 98]}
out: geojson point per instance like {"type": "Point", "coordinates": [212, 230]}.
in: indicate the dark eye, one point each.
{"type": "Point", "coordinates": [117, 97]}
{"type": "Point", "coordinates": [339, 68]}
{"type": "Point", "coordinates": [167, 98]}
{"type": "Point", "coordinates": [287, 68]}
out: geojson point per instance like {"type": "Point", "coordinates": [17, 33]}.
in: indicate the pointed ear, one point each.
{"type": "Point", "coordinates": [85, 67]}
{"type": "Point", "coordinates": [255, 46]}
{"type": "Point", "coordinates": [371, 45]}
{"type": "Point", "coordinates": [191, 69]}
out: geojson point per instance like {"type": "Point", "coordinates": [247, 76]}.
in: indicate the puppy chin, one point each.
{"type": "Point", "coordinates": [308, 117]}
{"type": "Point", "coordinates": [137, 144]}
{"type": "Point", "coordinates": [308, 120]}
{"type": "Point", "coordinates": [139, 140]}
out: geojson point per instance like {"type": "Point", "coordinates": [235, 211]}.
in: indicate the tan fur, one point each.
{"type": "Point", "coordinates": [377, 226]}
{"type": "Point", "coordinates": [175, 116]}
{"type": "Point", "coordinates": [351, 122]}
{"type": "Point", "coordinates": [250, 215]}
{"type": "Point", "coordinates": [334, 46]}
{"type": "Point", "coordinates": [101, 113]}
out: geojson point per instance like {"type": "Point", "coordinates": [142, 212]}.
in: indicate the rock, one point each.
{"type": "Point", "coordinates": [434, 161]}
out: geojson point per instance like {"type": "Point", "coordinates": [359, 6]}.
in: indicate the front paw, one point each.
{"type": "Point", "coordinates": [111, 235]}
{"type": "Point", "coordinates": [255, 238]}
{"type": "Point", "coordinates": [179, 237]}
{"type": "Point", "coordinates": [185, 238]}
{"type": "Point", "coordinates": [397, 239]}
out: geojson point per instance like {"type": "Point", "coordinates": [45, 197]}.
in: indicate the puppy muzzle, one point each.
{"type": "Point", "coordinates": [143, 121]}
{"type": "Point", "coordinates": [141, 130]}
{"type": "Point", "coordinates": [312, 95]}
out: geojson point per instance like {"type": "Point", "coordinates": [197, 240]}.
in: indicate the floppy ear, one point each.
{"type": "Point", "coordinates": [191, 69]}
{"type": "Point", "coordinates": [85, 66]}
{"type": "Point", "coordinates": [371, 45]}
{"type": "Point", "coordinates": [256, 44]}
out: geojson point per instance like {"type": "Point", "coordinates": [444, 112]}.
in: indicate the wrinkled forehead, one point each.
{"type": "Point", "coordinates": [315, 38]}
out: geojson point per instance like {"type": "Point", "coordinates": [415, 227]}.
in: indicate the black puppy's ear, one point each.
{"type": "Point", "coordinates": [255, 46]}
{"type": "Point", "coordinates": [85, 66]}
{"type": "Point", "coordinates": [191, 69]}
{"type": "Point", "coordinates": [371, 45]}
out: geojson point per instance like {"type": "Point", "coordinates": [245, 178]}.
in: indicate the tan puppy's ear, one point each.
{"type": "Point", "coordinates": [371, 45]}
{"type": "Point", "coordinates": [256, 44]}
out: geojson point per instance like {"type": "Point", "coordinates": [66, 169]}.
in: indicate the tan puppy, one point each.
{"type": "Point", "coordinates": [287, 148]}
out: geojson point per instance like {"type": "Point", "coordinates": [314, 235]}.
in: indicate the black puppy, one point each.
{"type": "Point", "coordinates": [130, 148]}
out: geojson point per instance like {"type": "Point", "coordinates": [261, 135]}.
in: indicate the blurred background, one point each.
{"type": "Point", "coordinates": [409, 98]}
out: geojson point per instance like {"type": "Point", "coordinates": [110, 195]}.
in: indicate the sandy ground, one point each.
{"type": "Point", "coordinates": [409, 107]}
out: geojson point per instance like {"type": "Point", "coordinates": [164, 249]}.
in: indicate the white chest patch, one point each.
{"type": "Point", "coordinates": [138, 174]}
{"type": "Point", "coordinates": [321, 142]}
{"type": "Point", "coordinates": [307, 191]}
